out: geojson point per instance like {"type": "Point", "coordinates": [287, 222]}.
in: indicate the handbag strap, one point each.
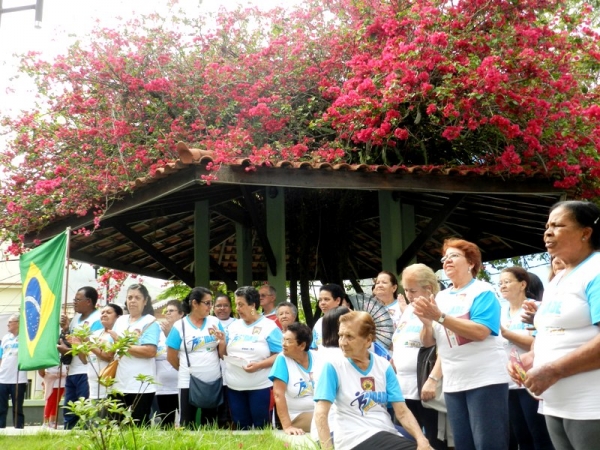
{"type": "Point", "coordinates": [184, 345]}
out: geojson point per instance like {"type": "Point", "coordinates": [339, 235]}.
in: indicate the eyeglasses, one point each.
{"type": "Point", "coordinates": [506, 283]}
{"type": "Point", "coordinates": [221, 306]}
{"type": "Point", "coordinates": [77, 300]}
{"type": "Point", "coordinates": [451, 256]}
{"type": "Point", "coordinates": [207, 303]}
{"type": "Point", "coordinates": [172, 311]}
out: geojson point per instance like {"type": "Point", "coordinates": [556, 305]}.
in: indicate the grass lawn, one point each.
{"type": "Point", "coordinates": [157, 439]}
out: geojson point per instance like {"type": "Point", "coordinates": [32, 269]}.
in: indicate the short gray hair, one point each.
{"type": "Point", "coordinates": [288, 305]}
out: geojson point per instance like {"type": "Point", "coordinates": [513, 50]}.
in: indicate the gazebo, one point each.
{"type": "Point", "coordinates": [296, 222]}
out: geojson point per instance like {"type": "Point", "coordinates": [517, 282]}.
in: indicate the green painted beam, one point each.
{"type": "Point", "coordinates": [390, 225]}
{"type": "Point", "coordinates": [275, 205]}
{"type": "Point", "coordinates": [243, 239]}
{"type": "Point", "coordinates": [202, 243]}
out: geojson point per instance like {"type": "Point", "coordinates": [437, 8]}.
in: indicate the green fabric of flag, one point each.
{"type": "Point", "coordinates": [42, 272]}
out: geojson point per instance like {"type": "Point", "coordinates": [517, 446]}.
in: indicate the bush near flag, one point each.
{"type": "Point", "coordinates": [42, 272]}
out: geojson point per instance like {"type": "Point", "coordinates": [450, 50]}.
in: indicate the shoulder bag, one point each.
{"type": "Point", "coordinates": [201, 394]}
{"type": "Point", "coordinates": [425, 362]}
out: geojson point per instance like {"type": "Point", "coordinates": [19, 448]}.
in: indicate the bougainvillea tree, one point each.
{"type": "Point", "coordinates": [496, 84]}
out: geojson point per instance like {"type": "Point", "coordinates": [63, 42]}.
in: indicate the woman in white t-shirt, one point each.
{"type": "Point", "coordinates": [253, 343]}
{"type": "Point", "coordinates": [99, 357]}
{"type": "Point", "coordinates": [140, 357]}
{"type": "Point", "coordinates": [527, 425]}
{"type": "Point", "coordinates": [417, 280]}
{"type": "Point", "coordinates": [293, 380]}
{"type": "Point", "coordinates": [195, 344]}
{"type": "Point", "coordinates": [362, 385]}
{"type": "Point", "coordinates": [167, 392]}
{"type": "Point", "coordinates": [464, 322]}
{"type": "Point", "coordinates": [386, 291]}
{"type": "Point", "coordinates": [330, 296]}
{"type": "Point", "coordinates": [564, 366]}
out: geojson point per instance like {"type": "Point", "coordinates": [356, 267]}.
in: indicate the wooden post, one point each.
{"type": "Point", "coordinates": [202, 244]}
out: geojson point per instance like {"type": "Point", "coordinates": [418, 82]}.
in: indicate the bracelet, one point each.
{"type": "Point", "coordinates": [434, 378]}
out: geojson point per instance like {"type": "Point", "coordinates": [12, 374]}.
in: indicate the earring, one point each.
{"type": "Point", "coordinates": [583, 239]}
{"type": "Point", "coordinates": [253, 312]}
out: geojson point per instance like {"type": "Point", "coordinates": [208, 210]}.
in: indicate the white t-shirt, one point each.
{"type": "Point", "coordinates": [95, 366]}
{"type": "Point", "coordinates": [166, 375]}
{"type": "Point", "coordinates": [251, 343]}
{"type": "Point", "coordinates": [516, 325]}
{"type": "Point", "coordinates": [361, 398]}
{"type": "Point", "coordinates": [77, 367]}
{"type": "Point", "coordinates": [9, 354]}
{"type": "Point", "coordinates": [566, 320]}
{"type": "Point", "coordinates": [132, 366]}
{"type": "Point", "coordinates": [202, 350]}
{"type": "Point", "coordinates": [225, 324]}
{"type": "Point", "coordinates": [300, 383]}
{"type": "Point", "coordinates": [394, 311]}
{"type": "Point", "coordinates": [317, 332]}
{"type": "Point", "coordinates": [407, 342]}
{"type": "Point", "coordinates": [323, 356]}
{"type": "Point", "coordinates": [469, 364]}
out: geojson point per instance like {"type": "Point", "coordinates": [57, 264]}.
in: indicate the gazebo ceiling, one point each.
{"type": "Point", "coordinates": [151, 232]}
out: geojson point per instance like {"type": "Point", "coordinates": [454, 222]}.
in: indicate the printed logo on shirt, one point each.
{"type": "Point", "coordinates": [256, 330]}
{"type": "Point", "coordinates": [368, 399]}
{"type": "Point", "coordinates": [200, 342]}
{"type": "Point", "coordinates": [305, 387]}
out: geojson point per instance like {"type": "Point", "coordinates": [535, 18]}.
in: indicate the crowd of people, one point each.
{"type": "Point", "coordinates": [470, 367]}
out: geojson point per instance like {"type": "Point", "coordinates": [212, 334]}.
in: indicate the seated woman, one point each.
{"type": "Point", "coordinates": [293, 382]}
{"type": "Point", "coordinates": [361, 385]}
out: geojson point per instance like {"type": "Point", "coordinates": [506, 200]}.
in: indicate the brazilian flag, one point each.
{"type": "Point", "coordinates": [42, 271]}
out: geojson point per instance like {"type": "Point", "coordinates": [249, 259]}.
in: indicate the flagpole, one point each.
{"type": "Point", "coordinates": [68, 255]}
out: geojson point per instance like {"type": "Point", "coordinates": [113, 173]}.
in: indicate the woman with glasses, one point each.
{"type": "Point", "coordinates": [252, 346]}
{"type": "Point", "coordinates": [194, 346]}
{"type": "Point", "coordinates": [293, 380]}
{"type": "Point", "coordinates": [464, 322]}
{"type": "Point", "coordinates": [528, 427]}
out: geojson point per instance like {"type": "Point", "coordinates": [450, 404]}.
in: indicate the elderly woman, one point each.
{"type": "Point", "coordinates": [362, 385]}
{"type": "Point", "coordinates": [418, 280]}
{"type": "Point", "coordinates": [330, 296]}
{"type": "Point", "coordinates": [252, 346]}
{"type": "Point", "coordinates": [193, 347]}
{"type": "Point", "coordinates": [386, 291]}
{"type": "Point", "coordinates": [286, 314]}
{"type": "Point", "coordinates": [464, 322]}
{"type": "Point", "coordinates": [529, 428]}
{"type": "Point", "coordinates": [566, 352]}
{"type": "Point", "coordinates": [99, 358]}
{"type": "Point", "coordinates": [140, 356]}
{"type": "Point", "coordinates": [293, 381]}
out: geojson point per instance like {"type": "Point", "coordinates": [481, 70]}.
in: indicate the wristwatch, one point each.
{"type": "Point", "coordinates": [442, 318]}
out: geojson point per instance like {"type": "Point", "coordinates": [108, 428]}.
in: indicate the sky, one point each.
{"type": "Point", "coordinates": [63, 20]}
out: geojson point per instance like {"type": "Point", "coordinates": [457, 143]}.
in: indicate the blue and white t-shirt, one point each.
{"type": "Point", "coordinates": [77, 367]}
{"type": "Point", "coordinates": [300, 383]}
{"type": "Point", "coordinates": [251, 343]}
{"type": "Point", "coordinates": [361, 398]}
{"type": "Point", "coordinates": [566, 319]}
{"type": "Point", "coordinates": [471, 364]}
{"type": "Point", "coordinates": [407, 342]}
{"type": "Point", "coordinates": [202, 348]}
{"type": "Point", "coordinates": [9, 354]}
